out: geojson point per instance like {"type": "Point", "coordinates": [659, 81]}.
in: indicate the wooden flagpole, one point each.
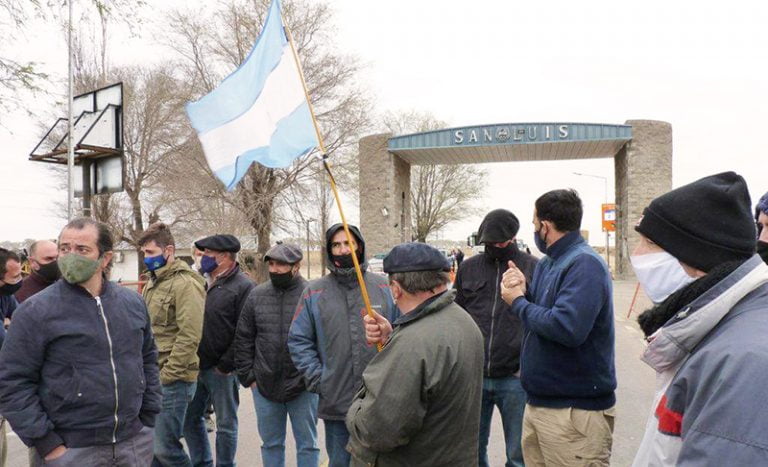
{"type": "Point", "coordinates": [334, 188]}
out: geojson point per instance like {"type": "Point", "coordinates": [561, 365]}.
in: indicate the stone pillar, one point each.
{"type": "Point", "coordinates": [385, 195]}
{"type": "Point", "coordinates": [643, 172]}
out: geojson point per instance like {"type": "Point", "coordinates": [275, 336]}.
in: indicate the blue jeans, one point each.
{"type": "Point", "coordinates": [336, 438]}
{"type": "Point", "coordinates": [222, 391]}
{"type": "Point", "coordinates": [271, 417]}
{"type": "Point", "coordinates": [508, 395]}
{"type": "Point", "coordinates": [169, 425]}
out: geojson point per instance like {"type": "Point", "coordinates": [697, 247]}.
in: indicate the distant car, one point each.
{"type": "Point", "coordinates": [522, 246]}
{"type": "Point", "coordinates": [376, 264]}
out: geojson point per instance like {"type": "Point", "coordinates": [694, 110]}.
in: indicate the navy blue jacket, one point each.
{"type": "Point", "coordinates": [8, 304]}
{"type": "Point", "coordinates": [567, 357]}
{"type": "Point", "coordinates": [78, 370]}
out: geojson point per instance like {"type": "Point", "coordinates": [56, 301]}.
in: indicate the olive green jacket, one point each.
{"type": "Point", "coordinates": [420, 401]}
{"type": "Point", "coordinates": [175, 297]}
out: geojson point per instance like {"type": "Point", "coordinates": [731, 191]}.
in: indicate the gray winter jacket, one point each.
{"type": "Point", "coordinates": [711, 361]}
{"type": "Point", "coordinates": [327, 338]}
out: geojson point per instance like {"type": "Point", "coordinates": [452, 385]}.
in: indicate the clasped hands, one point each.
{"type": "Point", "coordinates": [512, 283]}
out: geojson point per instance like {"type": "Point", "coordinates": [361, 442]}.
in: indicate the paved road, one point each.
{"type": "Point", "coordinates": [636, 384]}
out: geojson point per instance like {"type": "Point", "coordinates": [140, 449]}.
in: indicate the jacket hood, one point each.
{"type": "Point", "coordinates": [358, 237]}
{"type": "Point", "coordinates": [675, 341]}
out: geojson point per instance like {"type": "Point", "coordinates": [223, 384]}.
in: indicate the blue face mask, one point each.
{"type": "Point", "coordinates": [154, 263]}
{"type": "Point", "coordinates": [540, 243]}
{"type": "Point", "coordinates": [208, 264]}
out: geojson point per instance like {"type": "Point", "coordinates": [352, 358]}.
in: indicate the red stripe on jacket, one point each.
{"type": "Point", "coordinates": [670, 422]}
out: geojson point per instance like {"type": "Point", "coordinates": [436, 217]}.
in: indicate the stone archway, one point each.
{"type": "Point", "coordinates": [641, 149]}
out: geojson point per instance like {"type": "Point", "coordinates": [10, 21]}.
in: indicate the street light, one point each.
{"type": "Point", "coordinates": [309, 263]}
{"type": "Point", "coordinates": [605, 197]}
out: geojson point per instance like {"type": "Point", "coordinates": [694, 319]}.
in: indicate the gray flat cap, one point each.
{"type": "Point", "coordinates": [284, 252]}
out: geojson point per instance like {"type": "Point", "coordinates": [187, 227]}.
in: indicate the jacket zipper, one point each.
{"type": "Point", "coordinates": [493, 316]}
{"type": "Point", "coordinates": [111, 361]}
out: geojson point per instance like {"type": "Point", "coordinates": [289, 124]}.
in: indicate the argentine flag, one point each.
{"type": "Point", "coordinates": [259, 113]}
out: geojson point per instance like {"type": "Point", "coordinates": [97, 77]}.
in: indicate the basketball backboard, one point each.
{"type": "Point", "coordinates": [97, 140]}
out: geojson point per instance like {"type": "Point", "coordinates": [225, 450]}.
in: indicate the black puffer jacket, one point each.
{"type": "Point", "coordinates": [479, 292]}
{"type": "Point", "coordinates": [261, 349]}
{"type": "Point", "coordinates": [223, 302]}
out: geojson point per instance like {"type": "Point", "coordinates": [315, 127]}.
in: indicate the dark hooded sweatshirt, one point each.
{"type": "Point", "coordinates": [327, 338]}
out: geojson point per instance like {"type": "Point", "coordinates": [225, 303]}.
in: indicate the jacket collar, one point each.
{"type": "Point", "coordinates": [427, 307]}
{"type": "Point", "coordinates": [106, 288]}
{"type": "Point", "coordinates": [37, 278]}
{"type": "Point", "coordinates": [170, 269]}
{"type": "Point", "coordinates": [226, 275]}
{"type": "Point", "coordinates": [565, 242]}
{"type": "Point", "coordinates": [677, 339]}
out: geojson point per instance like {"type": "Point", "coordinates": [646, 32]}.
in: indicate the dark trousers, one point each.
{"type": "Point", "coordinates": [134, 452]}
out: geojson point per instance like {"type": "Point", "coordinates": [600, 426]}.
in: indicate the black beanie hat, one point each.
{"type": "Point", "coordinates": [705, 223]}
{"type": "Point", "coordinates": [498, 226]}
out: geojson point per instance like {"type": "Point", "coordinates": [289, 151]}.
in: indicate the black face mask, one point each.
{"type": "Point", "coordinates": [497, 253]}
{"type": "Point", "coordinates": [345, 261]}
{"type": "Point", "coordinates": [281, 281]}
{"type": "Point", "coordinates": [10, 289]}
{"type": "Point", "coordinates": [762, 250]}
{"type": "Point", "coordinates": [50, 272]}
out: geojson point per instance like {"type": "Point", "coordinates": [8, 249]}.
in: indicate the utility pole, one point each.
{"type": "Point", "coordinates": [309, 263]}
{"type": "Point", "coordinates": [70, 123]}
{"type": "Point", "coordinates": [605, 201]}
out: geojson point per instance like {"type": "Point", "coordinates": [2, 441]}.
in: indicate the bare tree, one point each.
{"type": "Point", "coordinates": [20, 77]}
{"type": "Point", "coordinates": [440, 194]}
{"type": "Point", "coordinates": [213, 43]}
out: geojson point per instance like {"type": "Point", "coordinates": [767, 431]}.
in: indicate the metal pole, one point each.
{"type": "Point", "coordinates": [605, 197]}
{"type": "Point", "coordinates": [309, 263]}
{"type": "Point", "coordinates": [86, 196]}
{"type": "Point", "coordinates": [607, 233]}
{"type": "Point", "coordinates": [70, 118]}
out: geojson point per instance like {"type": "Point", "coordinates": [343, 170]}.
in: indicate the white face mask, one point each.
{"type": "Point", "coordinates": [660, 274]}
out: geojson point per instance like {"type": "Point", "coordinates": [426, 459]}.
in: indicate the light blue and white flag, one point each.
{"type": "Point", "coordinates": [259, 113]}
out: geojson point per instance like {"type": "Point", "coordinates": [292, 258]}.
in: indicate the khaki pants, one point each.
{"type": "Point", "coordinates": [3, 443]}
{"type": "Point", "coordinates": [567, 437]}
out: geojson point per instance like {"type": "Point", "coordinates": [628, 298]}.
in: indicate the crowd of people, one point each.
{"type": "Point", "coordinates": [92, 373]}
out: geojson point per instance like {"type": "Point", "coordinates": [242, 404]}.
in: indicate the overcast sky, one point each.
{"type": "Point", "coordinates": [700, 66]}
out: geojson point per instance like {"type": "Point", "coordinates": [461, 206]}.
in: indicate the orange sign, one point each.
{"type": "Point", "coordinates": [609, 217]}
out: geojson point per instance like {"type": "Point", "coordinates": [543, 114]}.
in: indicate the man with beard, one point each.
{"type": "Point", "coordinates": [327, 338]}
{"type": "Point", "coordinates": [477, 285]}
{"type": "Point", "coordinates": [45, 269]}
{"type": "Point", "coordinates": [264, 363]}
{"type": "Point", "coordinates": [567, 357]}
{"type": "Point", "coordinates": [175, 298]}
{"type": "Point", "coordinates": [78, 369]}
{"type": "Point", "coordinates": [707, 332]}
{"type": "Point", "coordinates": [761, 216]}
